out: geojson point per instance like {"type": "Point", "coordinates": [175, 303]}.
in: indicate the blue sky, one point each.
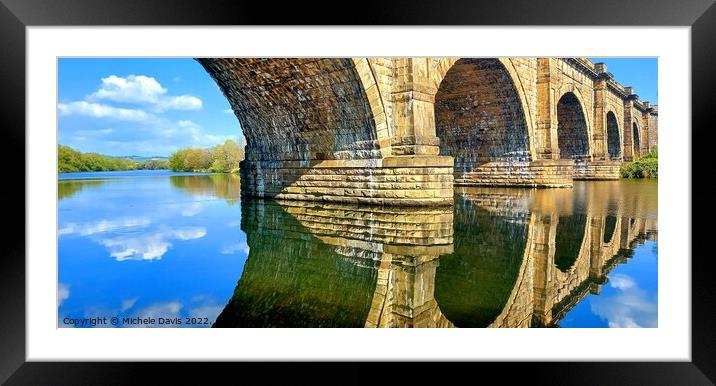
{"type": "Point", "coordinates": [640, 73]}
{"type": "Point", "coordinates": [146, 107]}
{"type": "Point", "coordinates": [154, 106]}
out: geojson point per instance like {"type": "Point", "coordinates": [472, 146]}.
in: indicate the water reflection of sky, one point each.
{"type": "Point", "coordinates": [155, 244]}
{"type": "Point", "coordinates": [141, 245]}
{"type": "Point", "coordinates": [628, 299]}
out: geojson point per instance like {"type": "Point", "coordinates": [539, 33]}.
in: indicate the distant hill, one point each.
{"type": "Point", "coordinates": [141, 158]}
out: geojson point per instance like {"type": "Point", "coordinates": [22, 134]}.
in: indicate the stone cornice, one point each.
{"type": "Point", "coordinates": [586, 67]}
{"type": "Point", "coordinates": [583, 66]}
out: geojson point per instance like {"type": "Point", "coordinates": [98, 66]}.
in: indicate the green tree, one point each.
{"type": "Point", "coordinates": [645, 167]}
{"type": "Point", "coordinates": [177, 161]}
{"type": "Point", "coordinates": [153, 164]}
{"type": "Point", "coordinates": [71, 160]}
{"type": "Point", "coordinates": [68, 159]}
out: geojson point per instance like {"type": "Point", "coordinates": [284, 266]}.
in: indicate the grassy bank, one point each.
{"type": "Point", "coordinates": [645, 167]}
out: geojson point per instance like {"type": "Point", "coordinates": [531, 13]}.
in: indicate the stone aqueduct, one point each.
{"type": "Point", "coordinates": [403, 131]}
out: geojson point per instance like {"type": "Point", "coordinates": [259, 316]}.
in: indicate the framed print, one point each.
{"type": "Point", "coordinates": [423, 167]}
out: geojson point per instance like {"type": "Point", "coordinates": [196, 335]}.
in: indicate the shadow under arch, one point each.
{"type": "Point", "coordinates": [298, 108]}
{"type": "Point", "coordinates": [479, 116]}
{"type": "Point", "coordinates": [298, 114]}
{"type": "Point", "coordinates": [294, 279]}
{"type": "Point", "coordinates": [636, 141]}
{"type": "Point", "coordinates": [613, 138]}
{"type": "Point", "coordinates": [572, 131]}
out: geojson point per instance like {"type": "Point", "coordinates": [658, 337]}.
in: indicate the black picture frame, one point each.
{"type": "Point", "coordinates": [16, 15]}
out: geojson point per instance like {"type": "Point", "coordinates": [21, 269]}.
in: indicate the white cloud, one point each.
{"type": "Point", "coordinates": [210, 312]}
{"type": "Point", "coordinates": [185, 123]}
{"type": "Point", "coordinates": [228, 111]}
{"type": "Point", "coordinates": [144, 90]}
{"type": "Point", "coordinates": [235, 223]}
{"type": "Point", "coordinates": [102, 226]}
{"type": "Point", "coordinates": [160, 310]}
{"type": "Point", "coordinates": [132, 89]}
{"type": "Point", "coordinates": [136, 99]}
{"type": "Point", "coordinates": [188, 233]}
{"type": "Point", "coordinates": [63, 293]}
{"type": "Point", "coordinates": [183, 102]}
{"type": "Point", "coordinates": [127, 304]}
{"type": "Point", "coordinates": [196, 134]}
{"type": "Point", "coordinates": [165, 310]}
{"type": "Point", "coordinates": [233, 248]}
{"type": "Point", "coordinates": [621, 282]}
{"type": "Point", "coordinates": [97, 110]}
{"type": "Point", "coordinates": [630, 307]}
{"type": "Point", "coordinates": [149, 246]}
{"type": "Point", "coordinates": [192, 209]}
{"type": "Point", "coordinates": [93, 133]}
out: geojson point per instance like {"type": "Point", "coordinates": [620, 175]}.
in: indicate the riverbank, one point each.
{"type": "Point", "coordinates": [645, 167]}
{"type": "Point", "coordinates": [70, 160]}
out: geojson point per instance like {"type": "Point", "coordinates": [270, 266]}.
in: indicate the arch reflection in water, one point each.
{"type": "Point", "coordinates": [337, 265]}
{"type": "Point", "coordinates": [500, 258]}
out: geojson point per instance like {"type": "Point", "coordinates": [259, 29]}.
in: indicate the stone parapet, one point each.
{"type": "Point", "coordinates": [392, 181]}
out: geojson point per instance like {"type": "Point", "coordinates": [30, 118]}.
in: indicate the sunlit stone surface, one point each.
{"type": "Point", "coordinates": [404, 131]}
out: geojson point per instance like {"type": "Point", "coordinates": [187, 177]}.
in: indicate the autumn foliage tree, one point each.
{"type": "Point", "coordinates": [226, 157]}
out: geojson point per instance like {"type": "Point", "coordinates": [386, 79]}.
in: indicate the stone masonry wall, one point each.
{"type": "Point", "coordinates": [597, 170]}
{"type": "Point", "coordinates": [385, 130]}
{"type": "Point", "coordinates": [391, 181]}
{"type": "Point", "coordinates": [653, 131]}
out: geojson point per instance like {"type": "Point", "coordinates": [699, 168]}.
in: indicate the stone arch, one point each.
{"type": "Point", "coordinates": [303, 109]}
{"type": "Point", "coordinates": [636, 140]}
{"type": "Point", "coordinates": [480, 112]}
{"type": "Point", "coordinates": [572, 127]}
{"type": "Point", "coordinates": [613, 138]}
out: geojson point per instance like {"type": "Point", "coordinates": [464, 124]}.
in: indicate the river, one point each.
{"type": "Point", "coordinates": [164, 249]}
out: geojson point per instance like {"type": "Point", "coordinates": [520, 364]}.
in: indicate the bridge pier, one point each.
{"type": "Point", "coordinates": [545, 173]}
{"type": "Point", "coordinates": [597, 170]}
{"type": "Point", "coordinates": [400, 181]}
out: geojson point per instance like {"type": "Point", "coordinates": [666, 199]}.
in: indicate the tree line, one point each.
{"type": "Point", "coordinates": [223, 158]}
{"type": "Point", "coordinates": [71, 160]}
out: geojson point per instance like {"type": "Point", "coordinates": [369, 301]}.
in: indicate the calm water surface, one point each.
{"type": "Point", "coordinates": [163, 249]}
